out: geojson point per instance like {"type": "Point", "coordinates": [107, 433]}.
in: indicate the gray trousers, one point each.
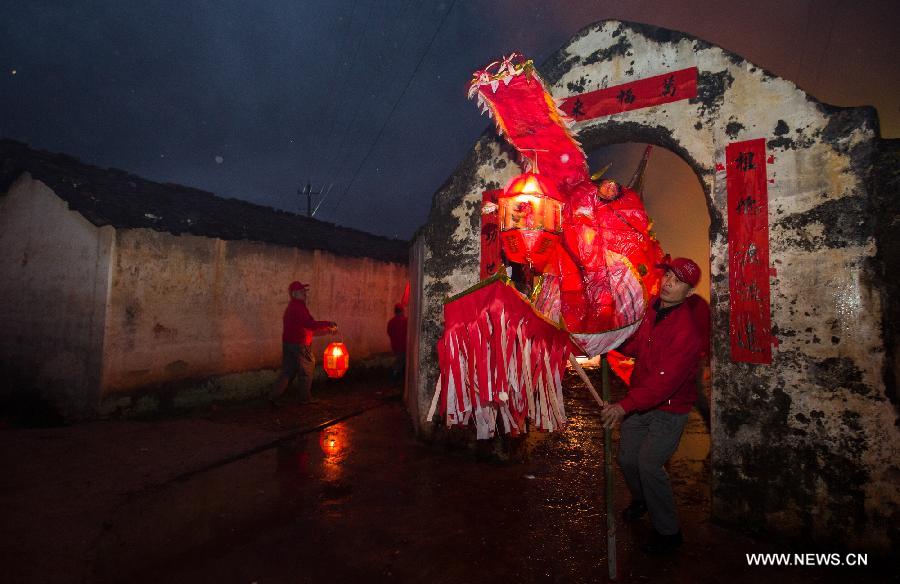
{"type": "Point", "coordinates": [296, 361]}
{"type": "Point", "coordinates": [647, 442]}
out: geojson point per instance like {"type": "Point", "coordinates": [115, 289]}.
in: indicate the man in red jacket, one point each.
{"type": "Point", "coordinates": [296, 358]}
{"type": "Point", "coordinates": [667, 348]}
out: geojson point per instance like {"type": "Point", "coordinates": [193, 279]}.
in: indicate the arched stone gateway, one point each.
{"type": "Point", "coordinates": [804, 419]}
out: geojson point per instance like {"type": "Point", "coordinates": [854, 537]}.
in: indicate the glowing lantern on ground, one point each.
{"type": "Point", "coordinates": [530, 221]}
{"type": "Point", "coordinates": [337, 360]}
{"type": "Point", "coordinates": [334, 442]}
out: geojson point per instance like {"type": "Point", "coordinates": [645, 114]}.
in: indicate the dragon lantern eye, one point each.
{"type": "Point", "coordinates": [609, 190]}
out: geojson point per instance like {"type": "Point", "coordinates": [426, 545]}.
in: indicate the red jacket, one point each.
{"type": "Point", "coordinates": [667, 355]}
{"type": "Point", "coordinates": [299, 326]}
{"type": "Point", "coordinates": [396, 329]}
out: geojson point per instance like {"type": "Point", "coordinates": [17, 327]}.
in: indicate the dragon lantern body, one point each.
{"type": "Point", "coordinates": [596, 277]}
{"type": "Point", "coordinates": [603, 272]}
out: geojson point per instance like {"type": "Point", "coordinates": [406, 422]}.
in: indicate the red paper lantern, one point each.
{"type": "Point", "coordinates": [530, 220]}
{"type": "Point", "coordinates": [337, 360]}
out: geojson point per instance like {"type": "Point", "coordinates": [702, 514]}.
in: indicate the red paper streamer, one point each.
{"type": "Point", "coordinates": [748, 252]}
{"type": "Point", "coordinates": [501, 363]}
{"type": "Point", "coordinates": [404, 302]}
{"type": "Point", "coordinates": [665, 88]}
{"type": "Point", "coordinates": [621, 365]}
{"type": "Point", "coordinates": [490, 234]}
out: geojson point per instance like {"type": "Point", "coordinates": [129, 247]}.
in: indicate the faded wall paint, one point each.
{"type": "Point", "coordinates": [187, 307]}
{"type": "Point", "coordinates": [805, 448]}
{"type": "Point", "coordinates": [54, 278]}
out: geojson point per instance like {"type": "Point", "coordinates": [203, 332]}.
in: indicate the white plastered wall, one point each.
{"type": "Point", "coordinates": [188, 307]}
{"type": "Point", "coordinates": [54, 281]}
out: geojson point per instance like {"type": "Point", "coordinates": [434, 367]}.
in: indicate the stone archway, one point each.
{"type": "Point", "coordinates": [803, 429]}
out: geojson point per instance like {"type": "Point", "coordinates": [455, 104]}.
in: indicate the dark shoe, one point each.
{"type": "Point", "coordinates": [311, 400]}
{"type": "Point", "coordinates": [663, 544]}
{"type": "Point", "coordinates": [275, 403]}
{"type": "Point", "coordinates": [635, 511]}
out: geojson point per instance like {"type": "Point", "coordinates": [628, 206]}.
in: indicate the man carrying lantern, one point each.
{"type": "Point", "coordinates": [667, 348]}
{"type": "Point", "coordinates": [297, 359]}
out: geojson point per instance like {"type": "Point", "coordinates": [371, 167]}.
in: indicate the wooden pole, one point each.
{"type": "Point", "coordinates": [584, 377]}
{"type": "Point", "coordinates": [608, 473]}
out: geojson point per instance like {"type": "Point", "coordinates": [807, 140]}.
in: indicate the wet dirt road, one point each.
{"type": "Point", "coordinates": [362, 501]}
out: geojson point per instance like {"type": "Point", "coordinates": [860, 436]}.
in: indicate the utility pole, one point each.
{"type": "Point", "coordinates": [307, 190]}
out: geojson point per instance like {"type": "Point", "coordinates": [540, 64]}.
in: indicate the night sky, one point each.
{"type": "Point", "coordinates": [364, 98]}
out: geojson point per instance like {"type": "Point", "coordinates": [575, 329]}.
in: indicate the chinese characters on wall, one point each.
{"type": "Point", "coordinates": [748, 252]}
{"type": "Point", "coordinates": [490, 234]}
{"type": "Point", "coordinates": [665, 88]}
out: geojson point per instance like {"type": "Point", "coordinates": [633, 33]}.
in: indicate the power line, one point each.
{"type": "Point", "coordinates": [338, 79]}
{"type": "Point", "coordinates": [307, 190]}
{"type": "Point", "coordinates": [394, 108]}
{"type": "Point", "coordinates": [333, 163]}
{"type": "Point", "coordinates": [322, 200]}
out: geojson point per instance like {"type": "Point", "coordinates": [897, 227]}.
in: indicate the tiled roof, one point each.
{"type": "Point", "coordinates": [107, 196]}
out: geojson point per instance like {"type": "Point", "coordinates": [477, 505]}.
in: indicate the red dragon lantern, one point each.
{"type": "Point", "coordinates": [598, 264]}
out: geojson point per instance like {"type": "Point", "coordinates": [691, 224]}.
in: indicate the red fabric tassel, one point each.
{"type": "Point", "coordinates": [501, 363]}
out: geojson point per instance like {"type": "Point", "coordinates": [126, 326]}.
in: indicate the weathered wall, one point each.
{"type": "Point", "coordinates": [452, 251]}
{"type": "Point", "coordinates": [187, 307]}
{"type": "Point", "coordinates": [805, 447]}
{"type": "Point", "coordinates": [887, 224]}
{"type": "Point", "coordinates": [411, 388]}
{"type": "Point", "coordinates": [54, 278]}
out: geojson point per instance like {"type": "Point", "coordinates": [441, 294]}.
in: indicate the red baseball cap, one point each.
{"type": "Point", "coordinates": [295, 285]}
{"type": "Point", "coordinates": [685, 269]}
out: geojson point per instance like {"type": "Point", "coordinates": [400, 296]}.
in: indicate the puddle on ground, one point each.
{"type": "Point", "coordinates": [363, 499]}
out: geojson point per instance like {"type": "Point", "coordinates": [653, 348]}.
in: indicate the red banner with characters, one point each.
{"type": "Point", "coordinates": [748, 252]}
{"type": "Point", "coordinates": [490, 234]}
{"type": "Point", "coordinates": [665, 88]}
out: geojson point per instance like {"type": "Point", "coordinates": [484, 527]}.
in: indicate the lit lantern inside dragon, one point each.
{"type": "Point", "coordinates": [530, 221]}
{"type": "Point", "coordinates": [502, 354]}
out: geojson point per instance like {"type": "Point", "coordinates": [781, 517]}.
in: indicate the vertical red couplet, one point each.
{"type": "Point", "coordinates": [748, 252]}
{"type": "Point", "coordinates": [490, 234]}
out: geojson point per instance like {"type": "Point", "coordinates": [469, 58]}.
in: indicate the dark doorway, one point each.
{"type": "Point", "coordinates": [676, 203]}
